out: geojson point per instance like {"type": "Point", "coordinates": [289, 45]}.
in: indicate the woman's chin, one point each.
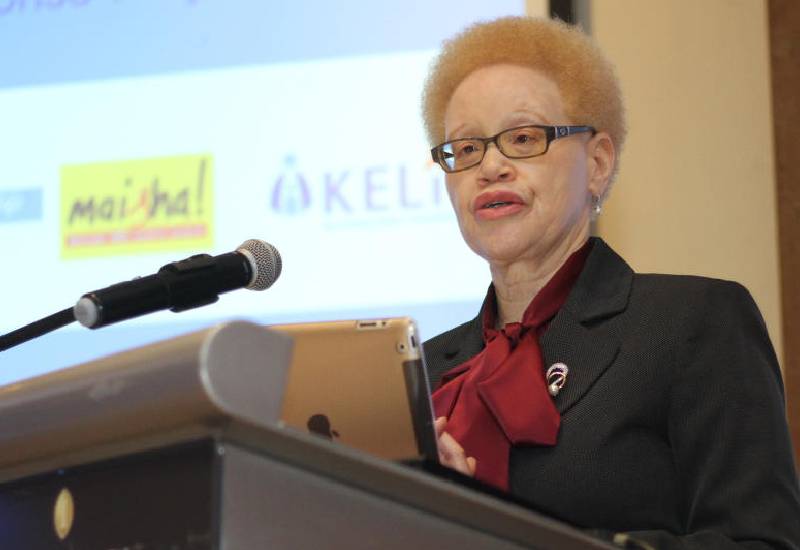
{"type": "Point", "coordinates": [503, 252]}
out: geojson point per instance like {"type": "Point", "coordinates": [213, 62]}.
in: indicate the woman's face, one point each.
{"type": "Point", "coordinates": [546, 200]}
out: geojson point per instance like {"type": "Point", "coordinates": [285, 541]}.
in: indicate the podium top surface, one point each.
{"type": "Point", "coordinates": [235, 370]}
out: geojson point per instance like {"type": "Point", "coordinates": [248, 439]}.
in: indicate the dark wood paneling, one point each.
{"type": "Point", "coordinates": [784, 23]}
{"type": "Point", "coordinates": [562, 9]}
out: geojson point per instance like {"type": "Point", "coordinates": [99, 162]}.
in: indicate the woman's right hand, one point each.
{"type": "Point", "coordinates": [451, 454]}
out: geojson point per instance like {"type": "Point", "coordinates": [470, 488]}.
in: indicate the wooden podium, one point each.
{"type": "Point", "coordinates": [177, 446]}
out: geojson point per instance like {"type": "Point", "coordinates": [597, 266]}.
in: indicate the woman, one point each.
{"type": "Point", "coordinates": [650, 404]}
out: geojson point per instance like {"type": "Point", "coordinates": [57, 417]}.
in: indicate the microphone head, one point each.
{"type": "Point", "coordinates": [265, 261]}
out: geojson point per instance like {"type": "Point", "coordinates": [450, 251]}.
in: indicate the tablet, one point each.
{"type": "Point", "coordinates": [361, 383]}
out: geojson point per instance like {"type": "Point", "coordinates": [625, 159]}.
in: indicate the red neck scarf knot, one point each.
{"type": "Point", "coordinates": [499, 397]}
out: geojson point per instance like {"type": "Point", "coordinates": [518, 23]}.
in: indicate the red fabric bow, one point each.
{"type": "Point", "coordinates": [499, 397]}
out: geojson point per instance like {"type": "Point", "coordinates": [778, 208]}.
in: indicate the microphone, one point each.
{"type": "Point", "coordinates": [186, 284]}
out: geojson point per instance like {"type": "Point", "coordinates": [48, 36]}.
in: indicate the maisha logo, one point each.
{"type": "Point", "coordinates": [133, 206]}
{"type": "Point", "coordinates": [372, 194]}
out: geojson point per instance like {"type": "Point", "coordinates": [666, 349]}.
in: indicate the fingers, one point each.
{"type": "Point", "coordinates": [471, 463]}
{"type": "Point", "coordinates": [451, 454]}
{"type": "Point", "coordinates": [439, 425]}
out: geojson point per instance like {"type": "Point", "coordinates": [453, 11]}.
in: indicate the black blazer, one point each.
{"type": "Point", "coordinates": [673, 419]}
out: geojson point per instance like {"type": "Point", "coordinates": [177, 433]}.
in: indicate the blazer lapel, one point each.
{"type": "Point", "coordinates": [580, 335]}
{"type": "Point", "coordinates": [466, 342]}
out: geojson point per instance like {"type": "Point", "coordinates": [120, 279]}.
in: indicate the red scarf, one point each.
{"type": "Point", "coordinates": [499, 397]}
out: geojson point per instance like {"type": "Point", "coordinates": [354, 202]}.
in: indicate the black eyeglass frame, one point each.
{"type": "Point", "coordinates": [552, 133]}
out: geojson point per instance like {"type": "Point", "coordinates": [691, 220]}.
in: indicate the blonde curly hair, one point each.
{"type": "Point", "coordinates": [586, 79]}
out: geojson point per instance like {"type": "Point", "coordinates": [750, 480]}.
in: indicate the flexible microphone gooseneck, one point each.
{"type": "Point", "coordinates": [193, 282]}
{"type": "Point", "coordinates": [186, 284]}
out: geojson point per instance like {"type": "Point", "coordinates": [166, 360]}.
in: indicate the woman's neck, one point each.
{"type": "Point", "coordinates": [516, 283]}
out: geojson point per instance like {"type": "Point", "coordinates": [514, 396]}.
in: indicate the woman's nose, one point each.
{"type": "Point", "coordinates": [495, 166]}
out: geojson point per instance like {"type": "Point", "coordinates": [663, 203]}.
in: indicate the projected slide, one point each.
{"type": "Point", "coordinates": [135, 133]}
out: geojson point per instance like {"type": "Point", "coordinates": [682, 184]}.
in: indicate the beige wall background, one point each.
{"type": "Point", "coordinates": [696, 189]}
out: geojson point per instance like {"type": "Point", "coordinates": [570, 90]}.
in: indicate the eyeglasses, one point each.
{"type": "Point", "coordinates": [515, 143]}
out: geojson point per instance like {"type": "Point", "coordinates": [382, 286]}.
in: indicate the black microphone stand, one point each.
{"type": "Point", "coordinates": [37, 328]}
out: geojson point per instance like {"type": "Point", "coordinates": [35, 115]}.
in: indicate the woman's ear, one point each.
{"type": "Point", "coordinates": [602, 157]}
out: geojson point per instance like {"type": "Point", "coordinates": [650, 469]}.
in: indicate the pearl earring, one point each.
{"type": "Point", "coordinates": [596, 206]}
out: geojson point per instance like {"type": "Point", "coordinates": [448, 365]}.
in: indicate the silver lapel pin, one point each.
{"type": "Point", "coordinates": [556, 377]}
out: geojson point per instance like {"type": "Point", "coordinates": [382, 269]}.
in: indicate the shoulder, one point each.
{"type": "Point", "coordinates": [694, 296]}
{"type": "Point", "coordinates": [609, 287]}
{"type": "Point", "coordinates": [688, 283]}
{"type": "Point", "coordinates": [690, 310]}
{"type": "Point", "coordinates": [714, 327]}
{"type": "Point", "coordinates": [604, 263]}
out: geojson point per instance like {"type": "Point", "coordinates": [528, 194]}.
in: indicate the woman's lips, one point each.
{"type": "Point", "coordinates": [496, 204]}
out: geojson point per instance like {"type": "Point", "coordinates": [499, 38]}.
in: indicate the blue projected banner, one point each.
{"type": "Point", "coordinates": [68, 40]}
{"type": "Point", "coordinates": [139, 132]}
{"type": "Point", "coordinates": [20, 205]}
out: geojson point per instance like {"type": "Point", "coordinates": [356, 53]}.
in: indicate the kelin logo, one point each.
{"type": "Point", "coordinates": [374, 193]}
{"type": "Point", "coordinates": [290, 194]}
